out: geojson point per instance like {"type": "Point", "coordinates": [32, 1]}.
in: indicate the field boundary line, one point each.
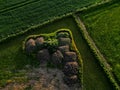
{"type": "Point", "coordinates": [96, 5]}
{"type": "Point", "coordinates": [103, 62]}
{"type": "Point", "coordinates": [35, 26]}
{"type": "Point", "coordinates": [17, 6]}
{"type": "Point", "coordinates": [77, 10]}
{"type": "Point", "coordinates": [8, 36]}
{"type": "Point", "coordinates": [13, 4]}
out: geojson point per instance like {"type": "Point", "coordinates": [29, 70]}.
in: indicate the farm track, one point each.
{"type": "Point", "coordinates": [21, 4]}
{"type": "Point", "coordinates": [92, 42]}
{"type": "Point", "coordinates": [99, 55]}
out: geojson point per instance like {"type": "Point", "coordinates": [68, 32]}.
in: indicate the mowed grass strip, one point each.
{"type": "Point", "coordinates": [15, 20]}
{"type": "Point", "coordinates": [13, 59]}
{"type": "Point", "coordinates": [104, 27]}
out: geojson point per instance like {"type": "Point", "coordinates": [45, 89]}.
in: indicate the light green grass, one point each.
{"type": "Point", "coordinates": [104, 27]}
{"type": "Point", "coordinates": [18, 15]}
{"type": "Point", "coordinates": [12, 58]}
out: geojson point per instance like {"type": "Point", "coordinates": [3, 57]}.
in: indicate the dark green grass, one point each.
{"type": "Point", "coordinates": [12, 58]}
{"type": "Point", "coordinates": [7, 4]}
{"type": "Point", "coordinates": [104, 27]}
{"type": "Point", "coordinates": [17, 15]}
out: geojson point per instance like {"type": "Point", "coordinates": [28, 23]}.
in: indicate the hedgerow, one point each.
{"type": "Point", "coordinates": [73, 47]}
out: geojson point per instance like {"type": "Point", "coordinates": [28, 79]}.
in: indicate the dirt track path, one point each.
{"type": "Point", "coordinates": [95, 70]}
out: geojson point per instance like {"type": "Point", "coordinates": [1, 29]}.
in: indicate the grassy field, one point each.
{"type": "Point", "coordinates": [18, 15]}
{"type": "Point", "coordinates": [7, 4]}
{"type": "Point", "coordinates": [13, 59]}
{"type": "Point", "coordinates": [104, 27]}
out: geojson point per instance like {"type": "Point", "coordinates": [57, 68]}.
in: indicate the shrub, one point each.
{"type": "Point", "coordinates": [52, 45]}
{"type": "Point", "coordinates": [64, 41]}
{"type": "Point", "coordinates": [63, 35]}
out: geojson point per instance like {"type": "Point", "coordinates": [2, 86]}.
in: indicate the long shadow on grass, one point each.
{"type": "Point", "coordinates": [21, 60]}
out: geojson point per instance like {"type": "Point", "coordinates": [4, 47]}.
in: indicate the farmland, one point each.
{"type": "Point", "coordinates": [90, 21]}
{"type": "Point", "coordinates": [16, 60]}
{"type": "Point", "coordinates": [16, 16]}
{"type": "Point", "coordinates": [104, 27]}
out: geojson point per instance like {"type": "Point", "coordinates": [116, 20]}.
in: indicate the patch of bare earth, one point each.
{"type": "Point", "coordinates": [42, 79]}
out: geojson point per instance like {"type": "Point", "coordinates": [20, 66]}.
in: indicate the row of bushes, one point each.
{"type": "Point", "coordinates": [46, 36]}
{"type": "Point", "coordinates": [73, 47]}
{"type": "Point", "coordinates": [80, 62]}
{"type": "Point", "coordinates": [102, 61]}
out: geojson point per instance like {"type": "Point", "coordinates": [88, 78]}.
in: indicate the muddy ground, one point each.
{"type": "Point", "coordinates": [42, 78]}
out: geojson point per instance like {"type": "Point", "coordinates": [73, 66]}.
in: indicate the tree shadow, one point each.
{"type": "Point", "coordinates": [21, 60]}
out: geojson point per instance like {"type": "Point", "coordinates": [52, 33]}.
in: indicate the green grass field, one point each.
{"type": "Point", "coordinates": [104, 27]}
{"type": "Point", "coordinates": [13, 59]}
{"type": "Point", "coordinates": [45, 16]}
{"type": "Point", "coordinates": [18, 15]}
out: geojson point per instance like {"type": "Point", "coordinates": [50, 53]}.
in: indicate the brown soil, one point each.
{"type": "Point", "coordinates": [42, 79]}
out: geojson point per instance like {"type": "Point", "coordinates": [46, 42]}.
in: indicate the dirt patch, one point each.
{"type": "Point", "coordinates": [56, 51]}
{"type": "Point", "coordinates": [43, 79]}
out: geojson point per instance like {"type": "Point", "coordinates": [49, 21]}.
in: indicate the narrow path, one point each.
{"type": "Point", "coordinates": [17, 6]}
{"type": "Point", "coordinates": [8, 5]}
{"type": "Point", "coordinates": [91, 42]}
{"type": "Point", "coordinates": [102, 60]}
{"type": "Point", "coordinates": [106, 67]}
